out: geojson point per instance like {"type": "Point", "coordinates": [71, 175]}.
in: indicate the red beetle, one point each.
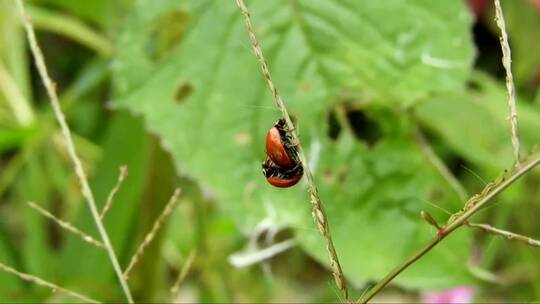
{"type": "Point", "coordinates": [282, 177]}
{"type": "Point", "coordinates": [275, 149]}
{"type": "Point", "coordinates": [278, 146]}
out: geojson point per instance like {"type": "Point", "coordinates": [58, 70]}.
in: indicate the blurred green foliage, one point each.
{"type": "Point", "coordinates": [172, 90]}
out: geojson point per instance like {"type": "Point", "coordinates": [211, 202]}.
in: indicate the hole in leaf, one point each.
{"type": "Point", "coordinates": [183, 91]}
{"type": "Point", "coordinates": [334, 129]}
{"type": "Point", "coordinates": [488, 58]}
{"type": "Point", "coordinates": [474, 86]}
{"type": "Point", "coordinates": [460, 167]}
{"type": "Point", "coordinates": [167, 31]}
{"type": "Point", "coordinates": [364, 128]}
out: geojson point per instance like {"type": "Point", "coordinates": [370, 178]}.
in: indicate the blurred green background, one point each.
{"type": "Point", "coordinates": [171, 89]}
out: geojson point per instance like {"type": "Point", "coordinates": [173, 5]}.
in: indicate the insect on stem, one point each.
{"type": "Point", "coordinates": [318, 212]}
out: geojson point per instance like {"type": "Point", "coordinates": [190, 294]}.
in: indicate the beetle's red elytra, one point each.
{"type": "Point", "coordinates": [281, 166]}
{"type": "Point", "coordinates": [275, 148]}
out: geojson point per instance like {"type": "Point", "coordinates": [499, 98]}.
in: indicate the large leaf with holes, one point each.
{"type": "Point", "coordinates": [188, 68]}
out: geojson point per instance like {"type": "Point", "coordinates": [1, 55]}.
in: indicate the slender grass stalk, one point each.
{"type": "Point", "coordinates": [79, 171]}
{"type": "Point", "coordinates": [152, 234]}
{"type": "Point", "coordinates": [510, 87]}
{"type": "Point", "coordinates": [183, 274]}
{"type": "Point", "coordinates": [66, 225]}
{"type": "Point", "coordinates": [121, 177]}
{"type": "Point", "coordinates": [41, 282]}
{"type": "Point", "coordinates": [459, 219]}
{"type": "Point", "coordinates": [318, 212]}
{"type": "Point", "coordinates": [506, 234]}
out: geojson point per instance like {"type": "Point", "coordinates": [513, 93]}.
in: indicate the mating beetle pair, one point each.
{"type": "Point", "coordinates": [282, 168]}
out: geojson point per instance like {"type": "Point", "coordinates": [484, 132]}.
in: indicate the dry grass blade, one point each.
{"type": "Point", "coordinates": [121, 177]}
{"type": "Point", "coordinates": [183, 273]}
{"type": "Point", "coordinates": [510, 87]}
{"type": "Point", "coordinates": [318, 212]}
{"type": "Point", "coordinates": [50, 87]}
{"type": "Point", "coordinates": [152, 234]}
{"type": "Point", "coordinates": [41, 282]}
{"type": "Point", "coordinates": [66, 225]}
{"type": "Point", "coordinates": [506, 234]}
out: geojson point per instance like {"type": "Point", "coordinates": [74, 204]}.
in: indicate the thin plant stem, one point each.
{"type": "Point", "coordinates": [79, 171]}
{"type": "Point", "coordinates": [506, 234]}
{"type": "Point", "coordinates": [396, 271]}
{"type": "Point", "coordinates": [515, 175]}
{"type": "Point", "coordinates": [510, 87]}
{"type": "Point", "coordinates": [121, 177]}
{"type": "Point", "coordinates": [183, 274]}
{"type": "Point", "coordinates": [66, 225]}
{"type": "Point", "coordinates": [152, 234]}
{"type": "Point", "coordinates": [318, 212]}
{"type": "Point", "coordinates": [38, 281]}
{"type": "Point", "coordinates": [439, 165]}
{"type": "Point", "coordinates": [478, 201]}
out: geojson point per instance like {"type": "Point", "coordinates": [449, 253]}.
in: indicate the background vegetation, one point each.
{"type": "Point", "coordinates": [172, 90]}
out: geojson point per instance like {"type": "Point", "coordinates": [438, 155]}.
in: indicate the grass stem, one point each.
{"type": "Point", "coordinates": [510, 87]}
{"type": "Point", "coordinates": [318, 212]}
{"type": "Point", "coordinates": [50, 87]}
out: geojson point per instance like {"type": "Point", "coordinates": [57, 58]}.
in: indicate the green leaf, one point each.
{"type": "Point", "coordinates": [93, 10]}
{"type": "Point", "coordinates": [474, 123]}
{"type": "Point", "coordinates": [14, 137]}
{"type": "Point", "coordinates": [13, 43]}
{"type": "Point", "coordinates": [69, 27]}
{"type": "Point", "coordinates": [37, 247]}
{"type": "Point", "coordinates": [8, 256]}
{"type": "Point", "coordinates": [101, 12]}
{"type": "Point", "coordinates": [146, 278]}
{"type": "Point", "coordinates": [187, 67]}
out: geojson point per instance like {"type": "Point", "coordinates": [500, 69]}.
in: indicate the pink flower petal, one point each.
{"type": "Point", "coordinates": [457, 295]}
